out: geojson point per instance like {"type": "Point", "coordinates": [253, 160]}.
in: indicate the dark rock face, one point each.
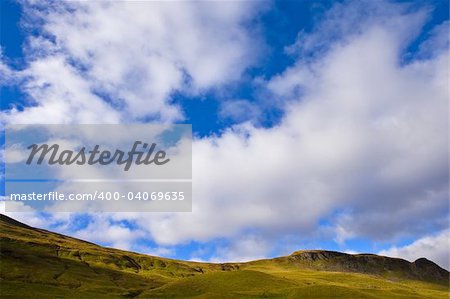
{"type": "Point", "coordinates": [429, 270]}
{"type": "Point", "coordinates": [421, 269]}
{"type": "Point", "coordinates": [315, 255]}
{"type": "Point", "coordinates": [229, 267]}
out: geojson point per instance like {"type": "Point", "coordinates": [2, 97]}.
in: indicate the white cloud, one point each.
{"type": "Point", "coordinates": [133, 54]}
{"type": "Point", "coordinates": [13, 154]}
{"type": "Point", "coordinates": [7, 75]}
{"type": "Point", "coordinates": [433, 247]}
{"type": "Point", "coordinates": [242, 249]}
{"type": "Point", "coordinates": [23, 213]}
{"type": "Point", "coordinates": [368, 136]}
{"type": "Point", "coordinates": [61, 95]}
{"type": "Point", "coordinates": [156, 251]}
{"type": "Point", "coordinates": [437, 41]}
{"type": "Point", "coordinates": [239, 110]}
{"type": "Point", "coordinates": [348, 19]}
{"type": "Point", "coordinates": [102, 230]}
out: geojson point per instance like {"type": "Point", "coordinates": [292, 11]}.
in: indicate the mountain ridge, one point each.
{"type": "Point", "coordinates": [92, 270]}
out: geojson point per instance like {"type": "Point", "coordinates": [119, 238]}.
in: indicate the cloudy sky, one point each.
{"type": "Point", "coordinates": [318, 125]}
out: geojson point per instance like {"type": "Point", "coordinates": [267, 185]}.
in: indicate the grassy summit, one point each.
{"type": "Point", "coordinates": [36, 263]}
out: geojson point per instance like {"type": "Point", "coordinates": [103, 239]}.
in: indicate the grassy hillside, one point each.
{"type": "Point", "coordinates": [36, 263]}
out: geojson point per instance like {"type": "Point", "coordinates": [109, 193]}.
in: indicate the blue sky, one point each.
{"type": "Point", "coordinates": [335, 108]}
{"type": "Point", "coordinates": [280, 25]}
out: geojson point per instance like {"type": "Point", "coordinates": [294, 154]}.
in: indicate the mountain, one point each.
{"type": "Point", "coordinates": [36, 263]}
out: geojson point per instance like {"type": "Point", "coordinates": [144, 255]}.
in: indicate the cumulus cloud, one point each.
{"type": "Point", "coordinates": [239, 110]}
{"type": "Point", "coordinates": [22, 213]}
{"type": "Point", "coordinates": [112, 61]}
{"type": "Point", "coordinates": [60, 95]}
{"type": "Point", "coordinates": [438, 41]}
{"type": "Point", "coordinates": [364, 144]}
{"type": "Point", "coordinates": [347, 19]}
{"type": "Point", "coordinates": [105, 231]}
{"type": "Point", "coordinates": [7, 74]}
{"type": "Point", "coordinates": [157, 251]}
{"type": "Point", "coordinates": [434, 247]}
{"type": "Point", "coordinates": [242, 249]}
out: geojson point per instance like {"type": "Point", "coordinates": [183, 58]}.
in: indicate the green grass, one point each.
{"type": "Point", "coordinates": [39, 264]}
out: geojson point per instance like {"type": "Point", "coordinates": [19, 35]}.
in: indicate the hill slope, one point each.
{"type": "Point", "coordinates": [36, 263]}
